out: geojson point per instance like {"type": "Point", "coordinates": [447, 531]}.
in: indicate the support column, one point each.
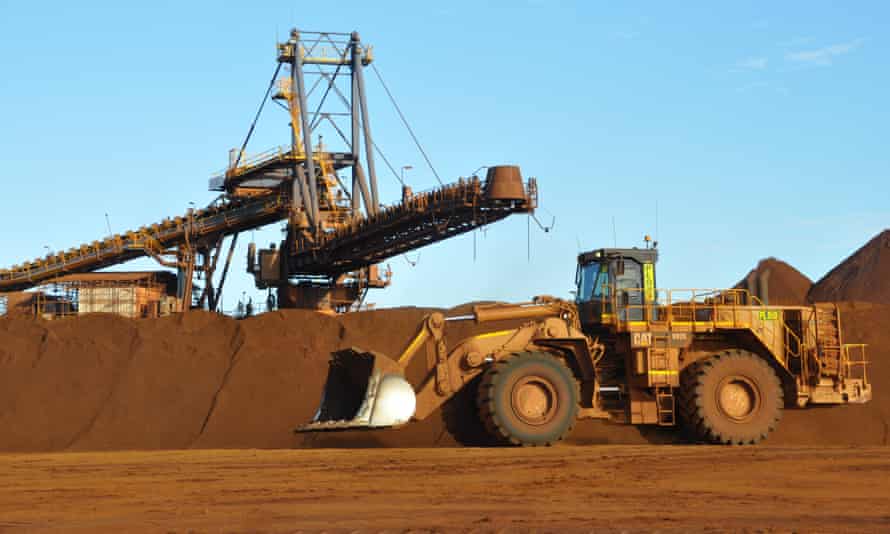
{"type": "Point", "coordinates": [356, 64]}
{"type": "Point", "coordinates": [186, 273]}
{"type": "Point", "coordinates": [363, 187]}
{"type": "Point", "coordinates": [222, 280]}
{"type": "Point", "coordinates": [369, 143]}
{"type": "Point", "coordinates": [312, 200]}
{"type": "Point", "coordinates": [298, 185]}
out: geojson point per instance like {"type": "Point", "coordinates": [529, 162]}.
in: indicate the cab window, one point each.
{"type": "Point", "coordinates": [601, 288]}
{"type": "Point", "coordinates": [593, 282]}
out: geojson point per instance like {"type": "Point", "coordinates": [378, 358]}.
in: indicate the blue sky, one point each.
{"type": "Point", "coordinates": [759, 129]}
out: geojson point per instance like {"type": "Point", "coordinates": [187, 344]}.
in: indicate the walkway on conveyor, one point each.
{"type": "Point", "coordinates": [211, 223]}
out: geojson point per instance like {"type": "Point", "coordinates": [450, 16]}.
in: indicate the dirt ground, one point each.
{"type": "Point", "coordinates": [565, 488]}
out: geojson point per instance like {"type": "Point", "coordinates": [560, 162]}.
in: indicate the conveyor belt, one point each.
{"type": "Point", "coordinates": [206, 224]}
{"type": "Point", "coordinates": [422, 219]}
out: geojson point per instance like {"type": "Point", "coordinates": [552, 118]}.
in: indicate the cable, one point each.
{"type": "Point", "coordinates": [405, 122]}
{"type": "Point", "coordinates": [324, 97]}
{"type": "Point", "coordinates": [477, 170]}
{"type": "Point", "coordinates": [257, 117]}
{"type": "Point", "coordinates": [388, 164]}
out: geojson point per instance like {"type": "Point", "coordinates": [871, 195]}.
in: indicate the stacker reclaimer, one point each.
{"type": "Point", "coordinates": [337, 231]}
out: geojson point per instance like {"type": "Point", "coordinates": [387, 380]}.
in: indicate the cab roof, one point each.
{"type": "Point", "coordinates": [641, 255]}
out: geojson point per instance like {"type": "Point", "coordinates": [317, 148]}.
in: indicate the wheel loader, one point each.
{"type": "Point", "coordinates": [720, 365]}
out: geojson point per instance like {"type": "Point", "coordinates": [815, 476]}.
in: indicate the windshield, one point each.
{"type": "Point", "coordinates": [593, 280]}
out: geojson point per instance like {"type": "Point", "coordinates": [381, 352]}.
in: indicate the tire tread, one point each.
{"type": "Point", "coordinates": [691, 404]}
{"type": "Point", "coordinates": [486, 402]}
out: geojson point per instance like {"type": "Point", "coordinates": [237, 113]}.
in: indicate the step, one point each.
{"type": "Point", "coordinates": [666, 407]}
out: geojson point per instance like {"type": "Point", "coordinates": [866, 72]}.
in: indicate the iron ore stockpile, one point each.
{"type": "Point", "coordinates": [201, 380]}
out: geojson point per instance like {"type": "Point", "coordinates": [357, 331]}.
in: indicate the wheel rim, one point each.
{"type": "Point", "coordinates": [534, 400]}
{"type": "Point", "coordinates": [738, 398]}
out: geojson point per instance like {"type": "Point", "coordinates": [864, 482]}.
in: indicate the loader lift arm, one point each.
{"type": "Point", "coordinates": [549, 325]}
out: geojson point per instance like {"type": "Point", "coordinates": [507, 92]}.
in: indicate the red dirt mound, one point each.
{"type": "Point", "coordinates": [56, 378]}
{"type": "Point", "coordinates": [864, 276]}
{"type": "Point", "coordinates": [775, 282]}
{"type": "Point", "coordinates": [160, 399]}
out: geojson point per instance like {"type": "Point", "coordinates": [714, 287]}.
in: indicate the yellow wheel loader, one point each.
{"type": "Point", "coordinates": [719, 364]}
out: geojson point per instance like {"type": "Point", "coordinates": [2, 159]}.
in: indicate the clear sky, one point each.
{"type": "Point", "coordinates": [759, 129]}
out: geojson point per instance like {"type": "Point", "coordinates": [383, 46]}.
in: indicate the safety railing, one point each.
{"type": "Point", "coordinates": [167, 233]}
{"type": "Point", "coordinates": [465, 192]}
{"type": "Point", "coordinates": [247, 163]}
{"type": "Point", "coordinates": [684, 305]}
{"type": "Point", "coordinates": [795, 347]}
{"type": "Point", "coordinates": [853, 361]}
{"type": "Point", "coordinates": [706, 309]}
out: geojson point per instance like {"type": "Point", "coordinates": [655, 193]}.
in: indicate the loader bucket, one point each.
{"type": "Point", "coordinates": [363, 390]}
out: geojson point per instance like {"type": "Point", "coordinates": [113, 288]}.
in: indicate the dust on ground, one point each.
{"type": "Point", "coordinates": [558, 489]}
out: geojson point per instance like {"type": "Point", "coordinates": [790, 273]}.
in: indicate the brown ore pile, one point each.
{"type": "Point", "coordinates": [864, 276]}
{"type": "Point", "coordinates": [777, 283]}
{"type": "Point", "coordinates": [202, 380]}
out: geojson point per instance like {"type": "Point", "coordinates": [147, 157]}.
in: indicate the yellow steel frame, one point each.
{"type": "Point", "coordinates": [679, 309]}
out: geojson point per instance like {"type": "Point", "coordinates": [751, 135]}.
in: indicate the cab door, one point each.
{"type": "Point", "coordinates": [629, 289]}
{"type": "Point", "coordinates": [593, 296]}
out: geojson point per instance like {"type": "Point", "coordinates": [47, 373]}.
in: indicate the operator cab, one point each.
{"type": "Point", "coordinates": [614, 283]}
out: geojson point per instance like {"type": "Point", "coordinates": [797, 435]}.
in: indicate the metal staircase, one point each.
{"type": "Point", "coordinates": [828, 341]}
{"type": "Point", "coordinates": [663, 378]}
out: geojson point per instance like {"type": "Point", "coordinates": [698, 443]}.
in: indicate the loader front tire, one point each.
{"type": "Point", "coordinates": [528, 399]}
{"type": "Point", "coordinates": [461, 417]}
{"type": "Point", "coordinates": [732, 398]}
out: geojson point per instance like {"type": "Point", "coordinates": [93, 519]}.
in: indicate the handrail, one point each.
{"type": "Point", "coordinates": [710, 301]}
{"type": "Point", "coordinates": [248, 163]}
{"type": "Point", "coordinates": [254, 160]}
{"type": "Point", "coordinates": [849, 363]}
{"type": "Point", "coordinates": [167, 233]}
{"type": "Point", "coordinates": [693, 300]}
{"type": "Point", "coordinates": [728, 308]}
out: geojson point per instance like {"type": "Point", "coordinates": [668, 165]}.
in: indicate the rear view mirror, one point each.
{"type": "Point", "coordinates": [619, 267]}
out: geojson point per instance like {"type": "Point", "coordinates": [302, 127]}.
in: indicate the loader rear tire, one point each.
{"type": "Point", "coordinates": [528, 399]}
{"type": "Point", "coordinates": [732, 398]}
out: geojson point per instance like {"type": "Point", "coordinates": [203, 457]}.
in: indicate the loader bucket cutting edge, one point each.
{"type": "Point", "coordinates": [363, 390]}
